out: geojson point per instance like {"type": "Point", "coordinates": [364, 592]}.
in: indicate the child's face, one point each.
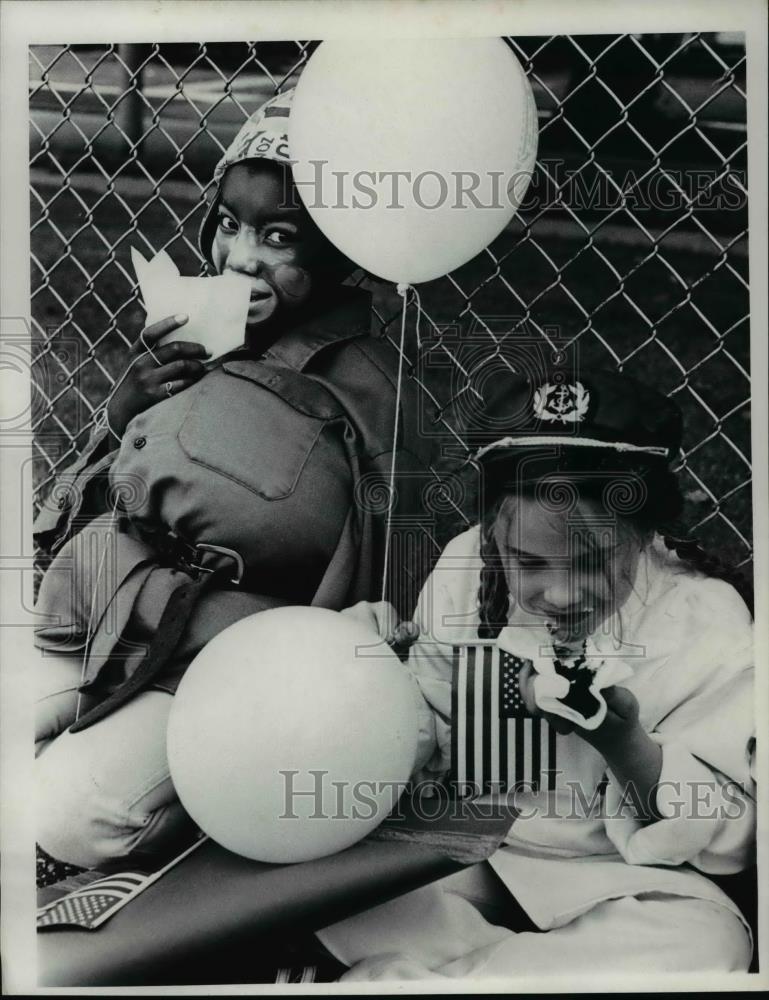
{"type": "Point", "coordinates": [262, 235]}
{"type": "Point", "coordinates": [571, 569]}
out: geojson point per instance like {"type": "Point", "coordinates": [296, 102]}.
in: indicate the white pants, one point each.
{"type": "Point", "coordinates": [436, 932]}
{"type": "Point", "coordinates": [105, 792]}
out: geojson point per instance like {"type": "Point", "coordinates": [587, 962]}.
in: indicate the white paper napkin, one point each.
{"type": "Point", "coordinates": [550, 687]}
{"type": "Point", "coordinates": [217, 307]}
{"type": "Point", "coordinates": [535, 644]}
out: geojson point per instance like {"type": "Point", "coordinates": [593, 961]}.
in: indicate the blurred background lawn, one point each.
{"type": "Point", "coordinates": [719, 297]}
{"type": "Point", "coordinates": [659, 291]}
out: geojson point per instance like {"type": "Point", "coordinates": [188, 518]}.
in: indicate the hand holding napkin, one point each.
{"type": "Point", "coordinates": [217, 307]}
{"type": "Point", "coordinates": [535, 644]}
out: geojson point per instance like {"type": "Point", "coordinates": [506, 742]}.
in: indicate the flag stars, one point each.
{"type": "Point", "coordinates": [511, 702]}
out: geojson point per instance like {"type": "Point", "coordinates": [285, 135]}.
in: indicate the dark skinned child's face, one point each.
{"type": "Point", "coordinates": [269, 237]}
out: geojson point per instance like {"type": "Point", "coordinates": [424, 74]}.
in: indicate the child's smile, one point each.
{"type": "Point", "coordinates": [262, 235]}
{"type": "Point", "coordinates": [567, 569]}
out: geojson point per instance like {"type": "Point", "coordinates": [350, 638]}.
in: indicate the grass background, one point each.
{"type": "Point", "coordinates": [111, 315]}
{"type": "Point", "coordinates": [542, 273]}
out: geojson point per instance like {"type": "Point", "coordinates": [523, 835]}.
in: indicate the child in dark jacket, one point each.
{"type": "Point", "coordinates": [210, 492]}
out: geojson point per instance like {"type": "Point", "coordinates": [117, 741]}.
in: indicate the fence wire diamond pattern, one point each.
{"type": "Point", "coordinates": [631, 247]}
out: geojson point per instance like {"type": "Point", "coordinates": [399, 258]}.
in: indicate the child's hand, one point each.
{"type": "Point", "coordinates": [621, 719]}
{"type": "Point", "coordinates": [634, 758]}
{"type": "Point", "coordinates": [154, 373]}
{"type": "Point", "coordinates": [621, 716]}
{"type": "Point", "coordinates": [526, 678]}
{"type": "Point", "coordinates": [382, 618]}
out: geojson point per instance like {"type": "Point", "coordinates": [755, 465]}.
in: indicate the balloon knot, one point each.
{"type": "Point", "coordinates": [402, 288]}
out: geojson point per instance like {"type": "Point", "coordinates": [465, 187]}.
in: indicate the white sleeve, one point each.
{"type": "Point", "coordinates": [431, 666]}
{"type": "Point", "coordinates": [705, 794]}
{"type": "Point", "coordinates": [444, 618]}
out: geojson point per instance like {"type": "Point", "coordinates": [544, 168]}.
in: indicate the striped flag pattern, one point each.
{"type": "Point", "coordinates": [496, 745]}
{"type": "Point", "coordinates": [90, 905]}
{"type": "Point", "coordinates": [304, 974]}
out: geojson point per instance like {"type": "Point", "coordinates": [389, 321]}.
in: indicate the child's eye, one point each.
{"type": "Point", "coordinates": [531, 562]}
{"type": "Point", "coordinates": [227, 224]}
{"type": "Point", "coordinates": [278, 238]}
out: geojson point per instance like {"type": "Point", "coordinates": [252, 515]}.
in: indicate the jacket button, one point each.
{"type": "Point", "coordinates": [140, 442]}
{"type": "Point", "coordinates": [62, 503]}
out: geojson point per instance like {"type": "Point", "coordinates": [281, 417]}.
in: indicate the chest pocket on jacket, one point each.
{"type": "Point", "coordinates": [257, 425]}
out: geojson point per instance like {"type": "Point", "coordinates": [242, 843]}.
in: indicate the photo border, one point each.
{"type": "Point", "coordinates": [25, 22]}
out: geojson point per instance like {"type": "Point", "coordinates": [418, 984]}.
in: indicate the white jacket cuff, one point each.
{"type": "Point", "coordinates": [690, 802]}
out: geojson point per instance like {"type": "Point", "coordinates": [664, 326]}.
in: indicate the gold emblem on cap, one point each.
{"type": "Point", "coordinates": [564, 403]}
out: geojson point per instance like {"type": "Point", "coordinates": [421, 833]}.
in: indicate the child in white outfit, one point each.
{"type": "Point", "coordinates": [640, 662]}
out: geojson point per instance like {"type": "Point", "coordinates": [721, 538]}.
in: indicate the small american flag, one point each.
{"type": "Point", "coordinates": [91, 906]}
{"type": "Point", "coordinates": [95, 902]}
{"type": "Point", "coordinates": [496, 744]}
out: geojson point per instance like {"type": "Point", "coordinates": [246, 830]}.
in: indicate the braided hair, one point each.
{"type": "Point", "coordinates": [493, 594]}
{"type": "Point", "coordinates": [599, 475]}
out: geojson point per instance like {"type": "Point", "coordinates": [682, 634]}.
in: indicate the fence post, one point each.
{"type": "Point", "coordinates": [129, 116]}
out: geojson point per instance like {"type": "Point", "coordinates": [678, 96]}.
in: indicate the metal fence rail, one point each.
{"type": "Point", "coordinates": [631, 248]}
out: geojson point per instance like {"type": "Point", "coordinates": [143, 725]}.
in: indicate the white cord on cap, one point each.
{"type": "Point", "coordinates": [578, 442]}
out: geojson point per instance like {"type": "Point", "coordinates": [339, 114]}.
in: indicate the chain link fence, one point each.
{"type": "Point", "coordinates": [630, 249]}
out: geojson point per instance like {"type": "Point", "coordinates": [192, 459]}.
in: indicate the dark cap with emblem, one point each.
{"type": "Point", "coordinates": [587, 426]}
{"type": "Point", "coordinates": [598, 409]}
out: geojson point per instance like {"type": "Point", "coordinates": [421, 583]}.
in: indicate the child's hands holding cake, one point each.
{"type": "Point", "coordinates": [527, 677]}
{"type": "Point", "coordinates": [154, 373]}
{"type": "Point", "coordinates": [633, 757]}
{"type": "Point", "coordinates": [620, 715]}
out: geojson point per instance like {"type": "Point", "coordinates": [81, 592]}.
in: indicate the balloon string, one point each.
{"type": "Point", "coordinates": [403, 292]}
{"type": "Point", "coordinates": [91, 615]}
{"type": "Point", "coordinates": [418, 301]}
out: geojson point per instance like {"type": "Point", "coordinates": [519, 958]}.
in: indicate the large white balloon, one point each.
{"type": "Point", "coordinates": [292, 734]}
{"type": "Point", "coordinates": [412, 155]}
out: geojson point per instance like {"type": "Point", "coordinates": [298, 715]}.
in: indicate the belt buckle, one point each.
{"type": "Point", "coordinates": [220, 550]}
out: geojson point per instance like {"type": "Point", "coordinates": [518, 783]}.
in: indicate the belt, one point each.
{"type": "Point", "coordinates": [190, 557]}
{"type": "Point", "coordinates": [172, 623]}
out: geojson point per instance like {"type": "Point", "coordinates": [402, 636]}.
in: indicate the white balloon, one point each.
{"type": "Point", "coordinates": [284, 703]}
{"type": "Point", "coordinates": [412, 155]}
